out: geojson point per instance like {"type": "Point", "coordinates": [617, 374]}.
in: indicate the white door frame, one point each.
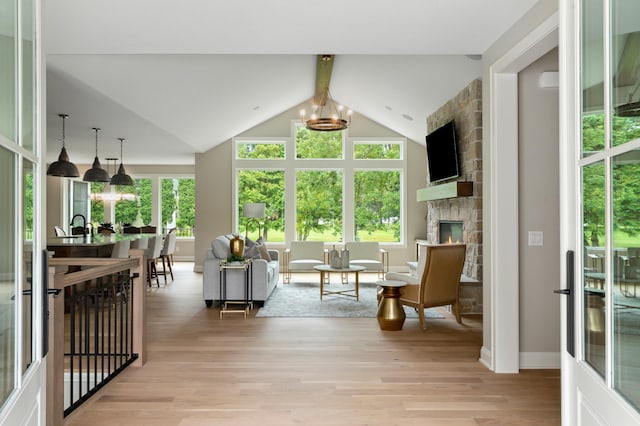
{"type": "Point", "coordinates": [501, 350]}
{"type": "Point", "coordinates": [27, 404]}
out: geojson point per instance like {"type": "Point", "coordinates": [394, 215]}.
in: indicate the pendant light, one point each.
{"type": "Point", "coordinates": [327, 115]}
{"type": "Point", "coordinates": [630, 109]}
{"type": "Point", "coordinates": [121, 178]}
{"type": "Point", "coordinates": [96, 173]}
{"type": "Point", "coordinates": [63, 167]}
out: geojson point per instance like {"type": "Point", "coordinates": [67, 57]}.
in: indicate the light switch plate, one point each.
{"type": "Point", "coordinates": [536, 238]}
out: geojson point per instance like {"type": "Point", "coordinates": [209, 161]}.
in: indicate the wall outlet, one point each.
{"type": "Point", "coordinates": [536, 238]}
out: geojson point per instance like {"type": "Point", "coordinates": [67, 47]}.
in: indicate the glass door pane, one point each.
{"type": "Point", "coordinates": [625, 127]}
{"type": "Point", "coordinates": [8, 284]}
{"type": "Point", "coordinates": [8, 68]}
{"type": "Point", "coordinates": [592, 78]}
{"type": "Point", "coordinates": [625, 71]}
{"type": "Point", "coordinates": [593, 212]}
{"type": "Point", "coordinates": [28, 260]}
{"type": "Point", "coordinates": [28, 75]}
{"type": "Point", "coordinates": [626, 303]}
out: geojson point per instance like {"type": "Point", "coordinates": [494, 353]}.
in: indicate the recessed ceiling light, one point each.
{"type": "Point", "coordinates": [257, 107]}
{"type": "Point", "coordinates": [388, 107]}
{"type": "Point", "coordinates": [407, 117]}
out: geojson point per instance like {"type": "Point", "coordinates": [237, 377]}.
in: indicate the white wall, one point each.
{"type": "Point", "coordinates": [538, 205]}
{"type": "Point", "coordinates": [214, 212]}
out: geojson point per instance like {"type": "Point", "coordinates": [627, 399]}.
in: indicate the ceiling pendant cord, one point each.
{"type": "Point", "coordinates": [63, 167]}
{"type": "Point", "coordinates": [96, 173]}
{"type": "Point", "coordinates": [121, 178]}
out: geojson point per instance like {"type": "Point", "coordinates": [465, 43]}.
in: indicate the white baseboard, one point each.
{"type": "Point", "coordinates": [183, 258]}
{"type": "Point", "coordinates": [485, 357]}
{"type": "Point", "coordinates": [539, 360]}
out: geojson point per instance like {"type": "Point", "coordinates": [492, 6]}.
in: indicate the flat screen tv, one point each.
{"type": "Point", "coordinates": [442, 153]}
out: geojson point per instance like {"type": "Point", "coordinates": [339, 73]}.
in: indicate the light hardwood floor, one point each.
{"type": "Point", "coordinates": [311, 371]}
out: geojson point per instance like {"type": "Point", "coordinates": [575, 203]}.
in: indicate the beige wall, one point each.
{"type": "Point", "coordinates": [533, 19]}
{"type": "Point", "coordinates": [539, 208]}
{"type": "Point", "coordinates": [214, 213]}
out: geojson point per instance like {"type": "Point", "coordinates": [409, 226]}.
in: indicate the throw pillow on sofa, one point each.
{"type": "Point", "coordinates": [251, 250]}
{"type": "Point", "coordinates": [220, 247]}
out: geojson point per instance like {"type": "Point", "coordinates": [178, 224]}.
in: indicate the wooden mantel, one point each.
{"type": "Point", "coordinates": [445, 190]}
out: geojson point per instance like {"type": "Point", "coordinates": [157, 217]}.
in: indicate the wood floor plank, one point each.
{"type": "Point", "coordinates": [202, 370]}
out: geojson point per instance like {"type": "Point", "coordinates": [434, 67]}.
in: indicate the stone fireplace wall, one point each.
{"type": "Point", "coordinates": [466, 109]}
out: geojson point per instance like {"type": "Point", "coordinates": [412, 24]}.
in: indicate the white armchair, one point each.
{"type": "Point", "coordinates": [302, 257]}
{"type": "Point", "coordinates": [369, 255]}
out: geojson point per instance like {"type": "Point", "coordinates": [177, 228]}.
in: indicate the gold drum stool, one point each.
{"type": "Point", "coordinates": [391, 314]}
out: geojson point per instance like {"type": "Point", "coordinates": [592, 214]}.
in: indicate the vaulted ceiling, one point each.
{"type": "Point", "coordinates": [176, 78]}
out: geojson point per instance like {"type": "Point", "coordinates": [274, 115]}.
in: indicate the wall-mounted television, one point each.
{"type": "Point", "coordinates": [442, 153]}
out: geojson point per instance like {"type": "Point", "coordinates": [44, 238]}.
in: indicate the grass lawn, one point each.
{"type": "Point", "coordinates": [328, 237]}
{"type": "Point", "coordinates": [622, 239]}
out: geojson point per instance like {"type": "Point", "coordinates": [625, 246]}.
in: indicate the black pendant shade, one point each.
{"type": "Point", "coordinates": [96, 173]}
{"type": "Point", "coordinates": [121, 178]}
{"type": "Point", "coordinates": [63, 167]}
{"type": "Point", "coordinates": [630, 109]}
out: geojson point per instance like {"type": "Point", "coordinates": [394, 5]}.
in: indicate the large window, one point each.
{"type": "Point", "coordinates": [159, 201]}
{"type": "Point", "coordinates": [311, 145]}
{"type": "Point", "coordinates": [321, 186]}
{"type": "Point", "coordinates": [178, 205]}
{"type": "Point", "coordinates": [377, 206]}
{"type": "Point", "coordinates": [127, 211]}
{"type": "Point", "coordinates": [262, 186]}
{"type": "Point", "coordinates": [319, 205]}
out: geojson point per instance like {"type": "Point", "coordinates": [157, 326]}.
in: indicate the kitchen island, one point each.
{"type": "Point", "coordinates": [99, 245]}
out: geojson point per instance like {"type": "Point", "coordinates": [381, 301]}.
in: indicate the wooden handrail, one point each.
{"type": "Point", "coordinates": [59, 279]}
{"type": "Point", "coordinates": [101, 267]}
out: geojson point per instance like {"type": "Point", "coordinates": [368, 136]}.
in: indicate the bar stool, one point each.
{"type": "Point", "coordinates": [140, 243]}
{"type": "Point", "coordinates": [153, 254]}
{"type": "Point", "coordinates": [166, 254]}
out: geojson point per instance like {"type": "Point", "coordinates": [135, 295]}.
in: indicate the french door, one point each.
{"type": "Point", "coordinates": [22, 363]}
{"type": "Point", "coordinates": [600, 217]}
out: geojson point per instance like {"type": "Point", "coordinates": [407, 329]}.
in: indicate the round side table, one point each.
{"type": "Point", "coordinates": [391, 314]}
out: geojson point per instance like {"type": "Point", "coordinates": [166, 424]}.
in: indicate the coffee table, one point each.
{"type": "Point", "coordinates": [325, 269]}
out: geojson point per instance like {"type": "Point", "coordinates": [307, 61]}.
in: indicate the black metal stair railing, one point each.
{"type": "Point", "coordinates": [100, 328]}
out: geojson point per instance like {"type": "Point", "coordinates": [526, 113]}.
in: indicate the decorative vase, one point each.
{"type": "Point", "coordinates": [236, 245]}
{"type": "Point", "coordinates": [345, 259]}
{"type": "Point", "coordinates": [334, 258]}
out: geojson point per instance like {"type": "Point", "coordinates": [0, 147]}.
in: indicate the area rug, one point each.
{"type": "Point", "coordinates": [302, 299]}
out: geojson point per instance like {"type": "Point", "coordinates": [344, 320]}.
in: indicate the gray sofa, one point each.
{"type": "Point", "coordinates": [264, 273]}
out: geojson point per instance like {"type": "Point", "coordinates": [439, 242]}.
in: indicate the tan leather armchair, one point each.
{"type": "Point", "coordinates": [439, 282]}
